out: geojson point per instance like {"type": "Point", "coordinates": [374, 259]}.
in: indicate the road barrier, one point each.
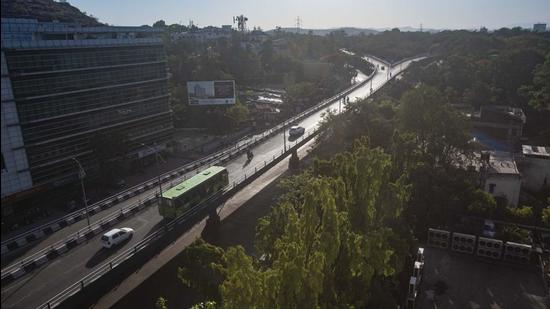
{"type": "Point", "coordinates": [489, 248]}
{"type": "Point", "coordinates": [517, 253]}
{"type": "Point", "coordinates": [438, 238]}
{"type": "Point", "coordinates": [464, 243]}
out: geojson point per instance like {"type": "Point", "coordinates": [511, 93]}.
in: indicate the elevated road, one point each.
{"type": "Point", "coordinates": [51, 278]}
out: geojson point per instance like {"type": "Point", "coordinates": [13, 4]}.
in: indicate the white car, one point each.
{"type": "Point", "coordinates": [116, 236]}
{"type": "Point", "coordinates": [296, 131]}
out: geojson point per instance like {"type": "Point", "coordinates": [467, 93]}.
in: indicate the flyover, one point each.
{"type": "Point", "coordinates": [49, 279]}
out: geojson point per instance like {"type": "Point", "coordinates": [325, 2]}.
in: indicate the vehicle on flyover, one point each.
{"type": "Point", "coordinates": [116, 236]}
{"type": "Point", "coordinates": [296, 131]}
{"type": "Point", "coordinates": [193, 191]}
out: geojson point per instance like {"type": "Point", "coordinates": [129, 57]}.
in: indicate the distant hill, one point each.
{"type": "Point", "coordinates": [46, 10]}
{"type": "Point", "coordinates": [411, 29]}
{"type": "Point", "coordinates": [351, 31]}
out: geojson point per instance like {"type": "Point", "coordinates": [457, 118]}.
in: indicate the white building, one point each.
{"type": "Point", "coordinates": [501, 177]}
{"type": "Point", "coordinates": [534, 166]}
{"type": "Point", "coordinates": [540, 27]}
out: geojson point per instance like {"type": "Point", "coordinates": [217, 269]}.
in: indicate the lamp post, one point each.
{"type": "Point", "coordinates": [284, 137]}
{"type": "Point", "coordinates": [371, 83]}
{"type": "Point", "coordinates": [81, 175]}
{"type": "Point", "coordinates": [158, 170]}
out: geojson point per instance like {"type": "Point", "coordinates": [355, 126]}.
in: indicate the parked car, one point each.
{"type": "Point", "coordinates": [116, 236]}
{"type": "Point", "coordinates": [296, 131]}
{"type": "Point", "coordinates": [489, 228]}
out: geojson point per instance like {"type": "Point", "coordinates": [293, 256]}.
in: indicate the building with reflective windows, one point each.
{"type": "Point", "coordinates": [64, 83]}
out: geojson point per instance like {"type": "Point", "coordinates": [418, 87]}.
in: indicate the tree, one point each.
{"type": "Point", "coordinates": [325, 244]}
{"type": "Point", "coordinates": [539, 92]}
{"type": "Point", "coordinates": [483, 204]}
{"type": "Point", "coordinates": [161, 303]}
{"type": "Point", "coordinates": [202, 269]}
{"type": "Point", "coordinates": [441, 133]}
{"type": "Point", "coordinates": [238, 114]}
{"type": "Point", "coordinates": [159, 24]}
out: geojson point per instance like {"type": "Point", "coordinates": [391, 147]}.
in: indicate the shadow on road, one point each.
{"type": "Point", "coordinates": [156, 227]}
{"type": "Point", "coordinates": [102, 254]}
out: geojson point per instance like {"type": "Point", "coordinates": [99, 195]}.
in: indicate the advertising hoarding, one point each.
{"type": "Point", "coordinates": [217, 92]}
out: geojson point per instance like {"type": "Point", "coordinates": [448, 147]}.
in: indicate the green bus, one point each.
{"type": "Point", "coordinates": [193, 191]}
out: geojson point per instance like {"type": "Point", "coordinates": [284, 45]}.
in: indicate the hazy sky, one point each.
{"type": "Point", "coordinates": [464, 14]}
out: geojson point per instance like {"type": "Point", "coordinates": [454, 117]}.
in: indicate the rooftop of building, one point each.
{"type": "Point", "coordinates": [536, 151]}
{"type": "Point", "coordinates": [509, 112]}
{"type": "Point", "coordinates": [501, 162]}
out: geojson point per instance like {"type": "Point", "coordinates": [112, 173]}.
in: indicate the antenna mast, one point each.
{"type": "Point", "coordinates": [241, 22]}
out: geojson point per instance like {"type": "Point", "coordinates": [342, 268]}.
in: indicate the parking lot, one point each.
{"type": "Point", "coordinates": [454, 280]}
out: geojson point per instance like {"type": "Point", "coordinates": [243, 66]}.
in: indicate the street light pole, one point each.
{"type": "Point", "coordinates": [371, 83]}
{"type": "Point", "coordinates": [158, 171]}
{"type": "Point", "coordinates": [81, 174]}
{"type": "Point", "coordinates": [284, 137]}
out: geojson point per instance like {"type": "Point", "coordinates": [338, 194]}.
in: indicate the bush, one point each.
{"type": "Point", "coordinates": [522, 214]}
{"type": "Point", "coordinates": [483, 204]}
{"type": "Point", "coordinates": [515, 234]}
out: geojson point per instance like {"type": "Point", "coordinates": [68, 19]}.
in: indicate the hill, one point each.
{"type": "Point", "coordinates": [46, 10]}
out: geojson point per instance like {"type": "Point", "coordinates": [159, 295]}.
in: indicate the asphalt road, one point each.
{"type": "Point", "coordinates": [42, 284]}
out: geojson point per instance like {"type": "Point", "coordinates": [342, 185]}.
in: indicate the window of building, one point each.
{"type": "Point", "coordinates": [492, 188]}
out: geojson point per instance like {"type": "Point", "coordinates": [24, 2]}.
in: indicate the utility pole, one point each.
{"type": "Point", "coordinates": [81, 175]}
{"type": "Point", "coordinates": [158, 171]}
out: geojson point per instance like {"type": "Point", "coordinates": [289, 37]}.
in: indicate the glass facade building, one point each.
{"type": "Point", "coordinates": [64, 83]}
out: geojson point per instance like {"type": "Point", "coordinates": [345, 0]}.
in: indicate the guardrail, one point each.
{"type": "Point", "coordinates": [229, 190]}
{"type": "Point", "coordinates": [34, 234]}
{"type": "Point", "coordinates": [28, 264]}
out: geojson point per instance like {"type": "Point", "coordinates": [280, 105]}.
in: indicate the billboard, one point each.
{"type": "Point", "coordinates": [217, 92]}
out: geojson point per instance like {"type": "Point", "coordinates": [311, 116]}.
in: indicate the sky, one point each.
{"type": "Point", "coordinates": [436, 14]}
